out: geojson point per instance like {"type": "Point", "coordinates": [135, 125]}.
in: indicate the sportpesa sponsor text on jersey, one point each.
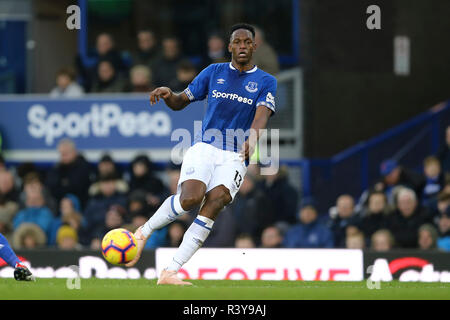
{"type": "Point", "coordinates": [232, 100]}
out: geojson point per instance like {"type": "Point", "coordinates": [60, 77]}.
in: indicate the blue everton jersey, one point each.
{"type": "Point", "coordinates": [232, 97]}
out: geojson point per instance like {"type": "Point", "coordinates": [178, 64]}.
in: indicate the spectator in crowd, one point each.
{"type": "Point", "coordinates": [108, 79]}
{"type": "Point", "coordinates": [137, 202]}
{"type": "Point", "coordinates": [8, 201]}
{"type": "Point", "coordinates": [32, 180]}
{"type": "Point", "coordinates": [144, 178]}
{"type": "Point", "coordinates": [427, 237]}
{"type": "Point", "coordinates": [443, 242]}
{"type": "Point", "coordinates": [271, 237]}
{"type": "Point", "coordinates": [105, 50]}
{"type": "Point", "coordinates": [382, 240]}
{"type": "Point", "coordinates": [8, 210]}
{"type": "Point", "coordinates": [35, 212]}
{"type": "Point", "coordinates": [404, 223]}
{"type": "Point", "coordinates": [309, 233]}
{"type": "Point", "coordinates": [341, 217]}
{"type": "Point", "coordinates": [395, 175]}
{"type": "Point", "coordinates": [98, 206]}
{"type": "Point", "coordinates": [114, 218]}
{"type": "Point", "coordinates": [439, 205]}
{"type": "Point", "coordinates": [186, 72]}
{"type": "Point", "coordinates": [148, 51]}
{"type": "Point", "coordinates": [173, 172]}
{"type": "Point", "coordinates": [244, 241]}
{"type": "Point", "coordinates": [29, 236]}
{"type": "Point", "coordinates": [70, 215]}
{"type": "Point", "coordinates": [165, 67]}
{"type": "Point", "coordinates": [72, 173]}
{"type": "Point", "coordinates": [67, 238]}
{"type": "Point", "coordinates": [217, 51]}
{"type": "Point", "coordinates": [175, 233]}
{"type": "Point", "coordinates": [8, 189]}
{"type": "Point", "coordinates": [282, 196]}
{"type": "Point", "coordinates": [355, 241]}
{"type": "Point", "coordinates": [106, 167]}
{"type": "Point", "coordinates": [434, 179]}
{"type": "Point", "coordinates": [444, 152]}
{"type": "Point", "coordinates": [141, 79]}
{"type": "Point", "coordinates": [66, 85]}
{"type": "Point", "coordinates": [252, 210]}
{"type": "Point", "coordinates": [224, 232]}
{"type": "Point", "coordinates": [375, 216]}
{"type": "Point", "coordinates": [265, 56]}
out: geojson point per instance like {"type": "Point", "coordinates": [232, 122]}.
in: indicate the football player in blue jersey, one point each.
{"type": "Point", "coordinates": [240, 99]}
{"type": "Point", "coordinates": [21, 272]}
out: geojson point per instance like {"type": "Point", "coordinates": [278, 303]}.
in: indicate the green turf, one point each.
{"type": "Point", "coordinates": [219, 290]}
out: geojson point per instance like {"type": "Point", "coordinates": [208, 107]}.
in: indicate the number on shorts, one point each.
{"type": "Point", "coordinates": [238, 179]}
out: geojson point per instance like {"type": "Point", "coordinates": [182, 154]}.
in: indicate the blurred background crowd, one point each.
{"type": "Point", "coordinates": [155, 62]}
{"type": "Point", "coordinates": [337, 87]}
{"type": "Point", "coordinates": [74, 203]}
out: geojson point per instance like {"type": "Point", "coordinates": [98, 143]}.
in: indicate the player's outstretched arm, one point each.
{"type": "Point", "coordinates": [260, 120]}
{"type": "Point", "coordinates": [175, 101]}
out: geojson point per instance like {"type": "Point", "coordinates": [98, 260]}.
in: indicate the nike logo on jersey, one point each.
{"type": "Point", "coordinates": [231, 96]}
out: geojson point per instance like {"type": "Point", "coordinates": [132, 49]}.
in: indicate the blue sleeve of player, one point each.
{"type": "Point", "coordinates": [6, 253]}
{"type": "Point", "coordinates": [267, 95]}
{"type": "Point", "coordinates": [198, 88]}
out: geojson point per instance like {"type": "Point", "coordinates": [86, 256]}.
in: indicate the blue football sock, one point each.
{"type": "Point", "coordinates": [6, 253]}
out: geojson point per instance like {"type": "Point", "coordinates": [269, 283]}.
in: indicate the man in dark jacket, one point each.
{"type": "Point", "coordinates": [147, 51]}
{"type": "Point", "coordinates": [97, 207]}
{"type": "Point", "coordinates": [282, 196]}
{"type": "Point", "coordinates": [72, 174]}
{"type": "Point", "coordinates": [165, 67]}
{"type": "Point", "coordinates": [252, 210]}
{"type": "Point", "coordinates": [405, 222]}
{"type": "Point", "coordinates": [309, 233]}
{"type": "Point", "coordinates": [395, 175]}
{"type": "Point", "coordinates": [343, 217]}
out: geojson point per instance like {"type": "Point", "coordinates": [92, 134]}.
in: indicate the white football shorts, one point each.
{"type": "Point", "coordinates": [213, 167]}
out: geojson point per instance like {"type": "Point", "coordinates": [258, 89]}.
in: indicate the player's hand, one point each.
{"type": "Point", "coordinates": [247, 150]}
{"type": "Point", "coordinates": [161, 92]}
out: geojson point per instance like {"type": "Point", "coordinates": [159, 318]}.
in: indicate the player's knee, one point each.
{"type": "Point", "coordinates": [222, 197]}
{"type": "Point", "coordinates": [190, 201]}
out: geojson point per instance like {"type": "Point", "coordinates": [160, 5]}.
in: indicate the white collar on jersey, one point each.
{"type": "Point", "coordinates": [248, 71]}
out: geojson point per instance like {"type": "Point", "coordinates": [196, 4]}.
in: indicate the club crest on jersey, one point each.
{"type": "Point", "coordinates": [251, 87]}
{"type": "Point", "coordinates": [220, 81]}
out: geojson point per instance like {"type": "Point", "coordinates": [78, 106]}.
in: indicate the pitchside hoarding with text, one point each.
{"type": "Point", "coordinates": [235, 264]}
{"type": "Point", "coordinates": [268, 264]}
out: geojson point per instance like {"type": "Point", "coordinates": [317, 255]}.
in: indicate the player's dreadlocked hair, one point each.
{"type": "Point", "coordinates": [242, 26]}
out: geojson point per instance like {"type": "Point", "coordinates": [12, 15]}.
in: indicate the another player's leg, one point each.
{"type": "Point", "coordinates": [215, 200]}
{"type": "Point", "coordinates": [192, 193]}
{"type": "Point", "coordinates": [21, 272]}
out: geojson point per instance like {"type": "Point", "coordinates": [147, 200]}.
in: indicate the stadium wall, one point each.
{"type": "Point", "coordinates": [351, 90]}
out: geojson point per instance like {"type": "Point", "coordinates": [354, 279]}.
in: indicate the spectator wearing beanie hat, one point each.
{"type": "Point", "coordinates": [67, 238]}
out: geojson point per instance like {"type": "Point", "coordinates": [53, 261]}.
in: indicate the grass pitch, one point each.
{"type": "Point", "coordinates": [49, 289]}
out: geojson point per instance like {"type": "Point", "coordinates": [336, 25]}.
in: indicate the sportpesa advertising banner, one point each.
{"type": "Point", "coordinates": [110, 122]}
